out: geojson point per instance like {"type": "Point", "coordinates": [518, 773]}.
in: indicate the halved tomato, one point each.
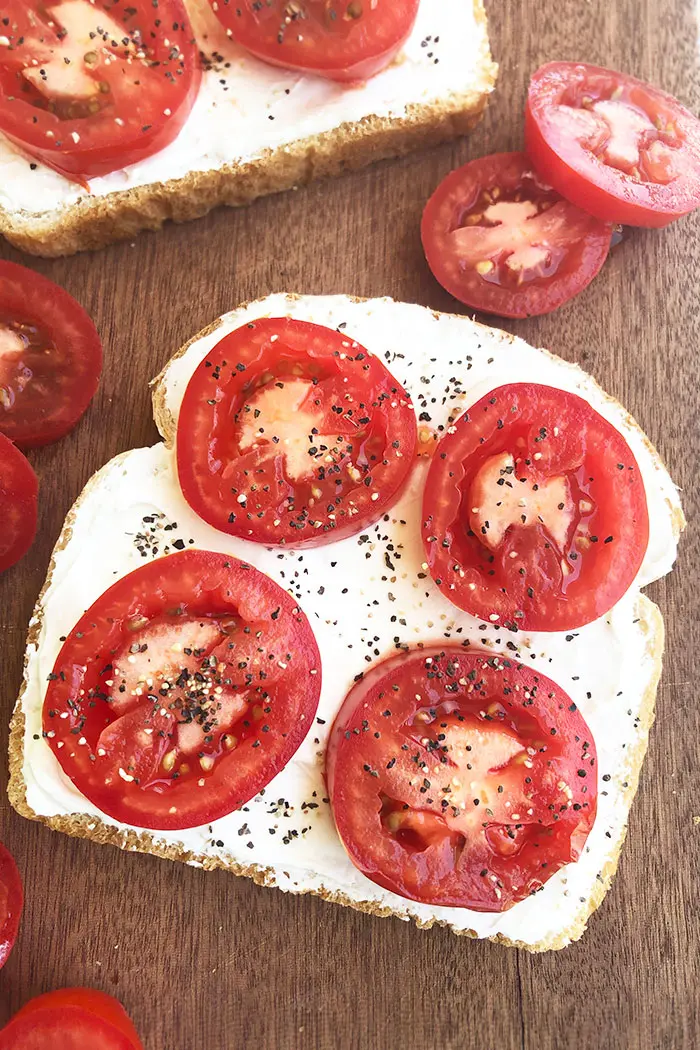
{"type": "Point", "coordinates": [19, 489]}
{"type": "Point", "coordinates": [71, 1019]}
{"type": "Point", "coordinates": [338, 39]}
{"type": "Point", "coordinates": [50, 358]}
{"type": "Point", "coordinates": [11, 903]}
{"type": "Point", "coordinates": [182, 691]}
{"type": "Point", "coordinates": [615, 146]}
{"type": "Point", "coordinates": [291, 433]}
{"type": "Point", "coordinates": [460, 778]}
{"type": "Point", "coordinates": [501, 240]}
{"type": "Point", "coordinates": [89, 86]}
{"type": "Point", "coordinates": [534, 514]}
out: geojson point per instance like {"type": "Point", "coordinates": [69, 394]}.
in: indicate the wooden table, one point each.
{"type": "Point", "coordinates": [211, 962]}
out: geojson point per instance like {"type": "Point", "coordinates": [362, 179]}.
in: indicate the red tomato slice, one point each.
{"type": "Point", "coordinates": [501, 240]}
{"type": "Point", "coordinates": [338, 39]}
{"type": "Point", "coordinates": [11, 903]}
{"type": "Point", "coordinates": [182, 691]}
{"type": "Point", "coordinates": [535, 513]}
{"type": "Point", "coordinates": [621, 149]}
{"type": "Point", "coordinates": [50, 358]}
{"type": "Point", "coordinates": [74, 1019]}
{"type": "Point", "coordinates": [461, 779]}
{"type": "Point", "coordinates": [291, 433]}
{"type": "Point", "coordinates": [89, 86]}
{"type": "Point", "coordinates": [19, 488]}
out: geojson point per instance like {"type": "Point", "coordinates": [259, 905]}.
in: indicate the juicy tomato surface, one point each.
{"type": "Point", "coordinates": [19, 488]}
{"type": "Point", "coordinates": [615, 146]}
{"type": "Point", "coordinates": [50, 358]}
{"type": "Point", "coordinates": [182, 691]}
{"type": "Point", "coordinates": [292, 433]}
{"type": "Point", "coordinates": [71, 1019]}
{"type": "Point", "coordinates": [340, 39]}
{"type": "Point", "coordinates": [11, 903]}
{"type": "Point", "coordinates": [89, 86]}
{"type": "Point", "coordinates": [534, 513]}
{"type": "Point", "coordinates": [460, 778]}
{"type": "Point", "coordinates": [500, 239]}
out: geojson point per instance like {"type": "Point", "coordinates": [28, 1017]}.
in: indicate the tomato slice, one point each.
{"type": "Point", "coordinates": [182, 691]}
{"type": "Point", "coordinates": [73, 1019]}
{"type": "Point", "coordinates": [462, 779]}
{"type": "Point", "coordinates": [534, 513]}
{"type": "Point", "coordinates": [19, 489]}
{"type": "Point", "coordinates": [11, 903]}
{"type": "Point", "coordinates": [89, 86]}
{"type": "Point", "coordinates": [50, 358]}
{"type": "Point", "coordinates": [340, 39]}
{"type": "Point", "coordinates": [291, 433]}
{"type": "Point", "coordinates": [615, 146]}
{"type": "Point", "coordinates": [501, 240]}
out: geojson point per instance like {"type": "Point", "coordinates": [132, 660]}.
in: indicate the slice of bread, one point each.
{"type": "Point", "coordinates": [133, 510]}
{"type": "Point", "coordinates": [256, 130]}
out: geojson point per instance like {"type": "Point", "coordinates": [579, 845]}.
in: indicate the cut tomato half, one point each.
{"type": "Point", "coordinates": [501, 240]}
{"type": "Point", "coordinates": [615, 146]}
{"type": "Point", "coordinates": [50, 358]}
{"type": "Point", "coordinates": [534, 513]}
{"type": "Point", "coordinates": [291, 433]}
{"type": "Point", "coordinates": [19, 489]}
{"type": "Point", "coordinates": [339, 39]}
{"type": "Point", "coordinates": [71, 1019]}
{"type": "Point", "coordinates": [461, 779]}
{"type": "Point", "coordinates": [182, 691]}
{"type": "Point", "coordinates": [11, 903]}
{"type": "Point", "coordinates": [89, 86]}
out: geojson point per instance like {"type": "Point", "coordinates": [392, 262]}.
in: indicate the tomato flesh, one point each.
{"type": "Point", "coordinates": [342, 40]}
{"type": "Point", "coordinates": [50, 358]}
{"type": "Point", "coordinates": [293, 434]}
{"type": "Point", "coordinates": [11, 903]}
{"type": "Point", "coordinates": [88, 87]}
{"type": "Point", "coordinates": [74, 1018]}
{"type": "Point", "coordinates": [498, 238]}
{"type": "Point", "coordinates": [460, 778]}
{"type": "Point", "coordinates": [19, 489]}
{"type": "Point", "coordinates": [534, 513]}
{"type": "Point", "coordinates": [617, 147]}
{"type": "Point", "coordinates": [182, 691]}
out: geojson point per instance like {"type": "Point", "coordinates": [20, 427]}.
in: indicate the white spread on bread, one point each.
{"type": "Point", "coordinates": [246, 107]}
{"type": "Point", "coordinates": [365, 596]}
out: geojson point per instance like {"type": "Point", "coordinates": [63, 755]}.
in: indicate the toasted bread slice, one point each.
{"type": "Point", "coordinates": [133, 507]}
{"type": "Point", "coordinates": [256, 130]}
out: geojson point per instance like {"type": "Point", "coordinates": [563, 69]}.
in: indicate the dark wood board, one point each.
{"type": "Point", "coordinates": [208, 961]}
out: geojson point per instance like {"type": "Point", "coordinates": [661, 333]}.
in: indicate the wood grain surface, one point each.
{"type": "Point", "coordinates": [212, 962]}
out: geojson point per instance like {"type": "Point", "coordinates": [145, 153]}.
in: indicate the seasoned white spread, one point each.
{"type": "Point", "coordinates": [246, 107]}
{"type": "Point", "coordinates": [363, 596]}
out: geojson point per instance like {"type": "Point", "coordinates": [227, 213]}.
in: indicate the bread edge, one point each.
{"type": "Point", "coordinates": [92, 223]}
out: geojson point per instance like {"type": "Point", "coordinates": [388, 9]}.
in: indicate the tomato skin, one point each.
{"type": "Point", "coordinates": [606, 192]}
{"type": "Point", "coordinates": [11, 903]}
{"type": "Point", "coordinates": [393, 724]}
{"type": "Point", "coordinates": [522, 583]}
{"type": "Point", "coordinates": [575, 244]}
{"type": "Point", "coordinates": [19, 489]}
{"type": "Point", "coordinates": [214, 781]}
{"type": "Point", "coordinates": [354, 51]}
{"type": "Point", "coordinates": [252, 493]}
{"type": "Point", "coordinates": [27, 298]}
{"type": "Point", "coordinates": [102, 145]}
{"type": "Point", "coordinates": [68, 1006]}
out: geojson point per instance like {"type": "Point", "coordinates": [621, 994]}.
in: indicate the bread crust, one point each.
{"type": "Point", "coordinates": [93, 222]}
{"type": "Point", "coordinates": [92, 827]}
